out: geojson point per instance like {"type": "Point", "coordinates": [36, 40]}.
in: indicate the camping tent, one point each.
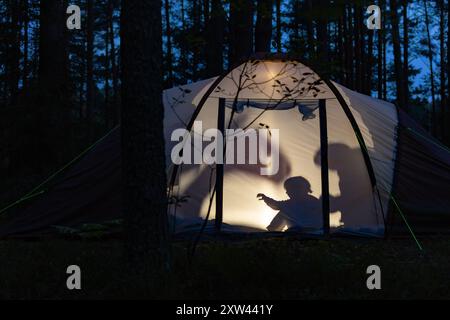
{"type": "Point", "coordinates": [363, 167]}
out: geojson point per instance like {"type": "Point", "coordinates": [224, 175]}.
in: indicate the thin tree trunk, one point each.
{"type": "Point", "coordinates": [183, 45]}
{"type": "Point", "coordinates": [384, 38]}
{"type": "Point", "coordinates": [26, 21]}
{"type": "Point", "coordinates": [53, 103]}
{"type": "Point", "coordinates": [263, 28]}
{"type": "Point", "coordinates": [14, 52]}
{"type": "Point", "coordinates": [196, 31]}
{"type": "Point", "coordinates": [341, 45]}
{"type": "Point", "coordinates": [215, 33]}
{"type": "Point", "coordinates": [114, 67]}
{"type": "Point", "coordinates": [310, 29]}
{"type": "Point", "coordinates": [447, 113]}
{"type": "Point", "coordinates": [442, 66]}
{"type": "Point", "coordinates": [206, 13]}
{"type": "Point", "coordinates": [278, 26]}
{"type": "Point", "coordinates": [169, 58]}
{"type": "Point", "coordinates": [143, 155]}
{"type": "Point", "coordinates": [349, 47]}
{"type": "Point", "coordinates": [89, 64]}
{"type": "Point", "coordinates": [398, 73]}
{"type": "Point", "coordinates": [362, 47]}
{"type": "Point", "coordinates": [322, 39]}
{"type": "Point", "coordinates": [430, 58]}
{"type": "Point", "coordinates": [107, 73]}
{"type": "Point", "coordinates": [369, 61]}
{"type": "Point", "coordinates": [380, 38]}
{"type": "Point", "coordinates": [405, 55]}
{"type": "Point", "coordinates": [357, 48]}
{"type": "Point", "coordinates": [241, 30]}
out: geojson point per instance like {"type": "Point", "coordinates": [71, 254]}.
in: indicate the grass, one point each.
{"type": "Point", "coordinates": [283, 268]}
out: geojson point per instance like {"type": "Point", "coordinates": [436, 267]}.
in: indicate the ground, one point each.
{"type": "Point", "coordinates": [281, 268]}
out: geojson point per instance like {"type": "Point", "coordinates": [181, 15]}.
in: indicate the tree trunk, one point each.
{"type": "Point", "coordinates": [206, 13]}
{"type": "Point", "coordinates": [107, 73]}
{"type": "Point", "coordinates": [215, 39]}
{"type": "Point", "coordinates": [380, 49]}
{"type": "Point", "coordinates": [89, 64]}
{"type": "Point", "coordinates": [405, 56]}
{"type": "Point", "coordinates": [278, 26]}
{"type": "Point", "coordinates": [348, 34]}
{"type": "Point", "coordinates": [340, 47]}
{"type": "Point", "coordinates": [398, 73]}
{"type": "Point", "coordinates": [14, 51]}
{"type": "Point", "coordinates": [52, 104]}
{"type": "Point", "coordinates": [196, 32]}
{"type": "Point", "coordinates": [362, 47]}
{"type": "Point", "coordinates": [322, 39]}
{"type": "Point", "coordinates": [310, 29]}
{"type": "Point", "coordinates": [263, 28]}
{"type": "Point", "coordinates": [114, 67]}
{"type": "Point", "coordinates": [442, 67]}
{"type": "Point", "coordinates": [183, 45]}
{"type": "Point", "coordinates": [357, 48]}
{"type": "Point", "coordinates": [143, 155]}
{"type": "Point", "coordinates": [369, 62]}
{"type": "Point", "coordinates": [430, 59]}
{"type": "Point", "coordinates": [26, 21]}
{"type": "Point", "coordinates": [241, 30]}
{"type": "Point", "coordinates": [447, 114]}
{"type": "Point", "coordinates": [169, 59]}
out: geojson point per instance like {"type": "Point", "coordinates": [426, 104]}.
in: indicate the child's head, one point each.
{"type": "Point", "coordinates": [297, 187]}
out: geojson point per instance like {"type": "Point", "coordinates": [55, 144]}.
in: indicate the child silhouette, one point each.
{"type": "Point", "coordinates": [302, 211]}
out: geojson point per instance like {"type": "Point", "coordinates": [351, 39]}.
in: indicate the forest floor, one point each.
{"type": "Point", "coordinates": [256, 269]}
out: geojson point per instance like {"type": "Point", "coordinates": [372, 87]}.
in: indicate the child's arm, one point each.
{"type": "Point", "coordinates": [269, 201]}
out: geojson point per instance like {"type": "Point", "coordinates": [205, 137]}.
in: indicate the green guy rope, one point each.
{"type": "Point", "coordinates": [406, 222]}
{"type": "Point", "coordinates": [34, 193]}
{"type": "Point", "coordinates": [429, 140]}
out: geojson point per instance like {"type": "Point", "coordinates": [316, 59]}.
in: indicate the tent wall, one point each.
{"type": "Point", "coordinates": [378, 122]}
{"type": "Point", "coordinates": [352, 200]}
{"type": "Point", "coordinates": [422, 181]}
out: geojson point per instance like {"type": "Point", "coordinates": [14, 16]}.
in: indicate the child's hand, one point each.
{"type": "Point", "coordinates": [261, 196]}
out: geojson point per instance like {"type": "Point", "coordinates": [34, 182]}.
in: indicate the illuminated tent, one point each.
{"type": "Point", "coordinates": [364, 167]}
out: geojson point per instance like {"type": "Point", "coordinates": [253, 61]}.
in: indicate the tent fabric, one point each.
{"type": "Point", "coordinates": [377, 120]}
{"type": "Point", "coordinates": [422, 183]}
{"type": "Point", "coordinates": [88, 192]}
{"type": "Point", "coordinates": [283, 95]}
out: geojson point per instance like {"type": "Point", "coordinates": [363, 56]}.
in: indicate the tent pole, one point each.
{"type": "Point", "coordinates": [219, 167]}
{"type": "Point", "coordinates": [324, 167]}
